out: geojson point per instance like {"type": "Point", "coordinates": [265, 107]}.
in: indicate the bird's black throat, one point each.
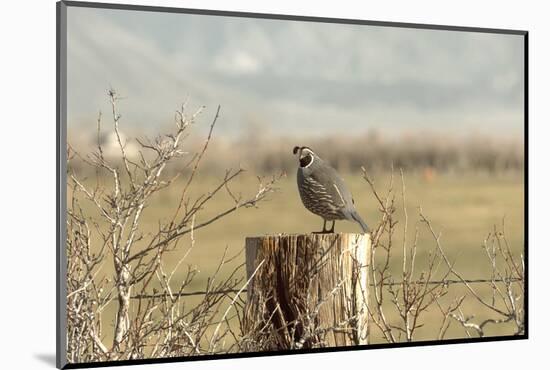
{"type": "Point", "coordinates": [306, 160]}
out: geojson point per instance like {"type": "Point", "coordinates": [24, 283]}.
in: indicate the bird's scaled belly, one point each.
{"type": "Point", "coordinates": [324, 209]}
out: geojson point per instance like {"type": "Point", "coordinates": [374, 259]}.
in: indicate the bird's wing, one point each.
{"type": "Point", "coordinates": [332, 186]}
{"type": "Point", "coordinates": [323, 191]}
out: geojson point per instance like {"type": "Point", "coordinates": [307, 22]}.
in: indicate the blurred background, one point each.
{"type": "Point", "coordinates": [447, 107]}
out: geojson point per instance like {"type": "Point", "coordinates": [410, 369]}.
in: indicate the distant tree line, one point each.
{"type": "Point", "coordinates": [418, 152]}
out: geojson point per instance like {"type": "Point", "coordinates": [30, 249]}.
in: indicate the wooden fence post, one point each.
{"type": "Point", "coordinates": [307, 290]}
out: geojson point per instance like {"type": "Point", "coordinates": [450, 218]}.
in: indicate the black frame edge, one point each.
{"type": "Point", "coordinates": [61, 181]}
{"type": "Point", "coordinates": [294, 352]}
{"type": "Point", "coordinates": [288, 17]}
{"type": "Point", "coordinates": [526, 181]}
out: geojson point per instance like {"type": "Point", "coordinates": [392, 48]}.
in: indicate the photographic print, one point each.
{"type": "Point", "coordinates": [242, 184]}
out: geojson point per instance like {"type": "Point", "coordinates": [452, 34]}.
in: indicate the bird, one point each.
{"type": "Point", "coordinates": [323, 191]}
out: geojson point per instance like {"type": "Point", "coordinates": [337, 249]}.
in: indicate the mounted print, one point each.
{"type": "Point", "coordinates": [235, 184]}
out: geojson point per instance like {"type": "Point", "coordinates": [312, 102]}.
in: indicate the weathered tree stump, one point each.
{"type": "Point", "coordinates": [306, 291]}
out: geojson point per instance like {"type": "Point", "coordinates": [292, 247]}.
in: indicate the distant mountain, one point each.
{"type": "Point", "coordinates": [294, 77]}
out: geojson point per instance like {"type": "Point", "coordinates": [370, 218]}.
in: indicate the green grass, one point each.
{"type": "Point", "coordinates": [464, 208]}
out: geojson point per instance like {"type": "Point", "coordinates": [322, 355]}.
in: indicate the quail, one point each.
{"type": "Point", "coordinates": [323, 192]}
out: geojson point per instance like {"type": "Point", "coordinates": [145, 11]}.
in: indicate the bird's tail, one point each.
{"type": "Point", "coordinates": [355, 216]}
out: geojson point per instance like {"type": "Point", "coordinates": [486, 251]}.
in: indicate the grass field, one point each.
{"type": "Point", "coordinates": [464, 208]}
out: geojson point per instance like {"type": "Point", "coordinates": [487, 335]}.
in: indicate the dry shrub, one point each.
{"type": "Point", "coordinates": [153, 319]}
{"type": "Point", "coordinates": [397, 302]}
